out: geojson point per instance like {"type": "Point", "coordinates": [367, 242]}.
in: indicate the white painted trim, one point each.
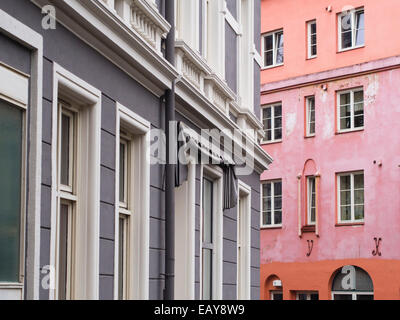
{"type": "Point", "coordinates": [138, 277]}
{"type": "Point", "coordinates": [87, 269]}
{"type": "Point", "coordinates": [185, 197]}
{"type": "Point", "coordinates": [244, 280]}
{"type": "Point", "coordinates": [14, 86]}
{"type": "Point", "coordinates": [33, 40]}
{"type": "Point", "coordinates": [233, 23]}
{"type": "Point", "coordinates": [216, 175]}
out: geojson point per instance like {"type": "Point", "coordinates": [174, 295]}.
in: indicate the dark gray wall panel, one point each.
{"type": "Point", "coordinates": [231, 57]}
{"type": "Point", "coordinates": [230, 229]}
{"type": "Point", "coordinates": [229, 273]}
{"type": "Point", "coordinates": [157, 265]}
{"type": "Point", "coordinates": [47, 113]}
{"type": "Point", "coordinates": [14, 54]}
{"type": "Point", "coordinates": [232, 7]}
{"type": "Point", "coordinates": [229, 292]}
{"type": "Point", "coordinates": [157, 233]}
{"type": "Point", "coordinates": [156, 287]}
{"type": "Point", "coordinates": [45, 206]}
{"type": "Point", "coordinates": [230, 251]}
{"type": "Point", "coordinates": [46, 164]}
{"type": "Point", "coordinates": [107, 189]}
{"type": "Point", "coordinates": [106, 257]}
{"type": "Point", "coordinates": [106, 287]}
{"type": "Point", "coordinates": [108, 150]}
{"type": "Point", "coordinates": [47, 79]}
{"type": "Point", "coordinates": [107, 221]}
{"type": "Point", "coordinates": [255, 293]}
{"type": "Point", "coordinates": [255, 276]}
{"type": "Point", "coordinates": [257, 24]}
{"type": "Point", "coordinates": [157, 203]}
{"type": "Point", "coordinates": [108, 114]}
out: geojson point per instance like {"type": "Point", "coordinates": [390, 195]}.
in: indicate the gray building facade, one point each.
{"type": "Point", "coordinates": [91, 92]}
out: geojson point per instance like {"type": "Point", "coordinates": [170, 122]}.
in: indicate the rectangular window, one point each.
{"type": "Point", "coordinates": [351, 29]}
{"type": "Point", "coordinates": [312, 39]}
{"type": "Point", "coordinates": [351, 197]}
{"type": "Point", "coordinates": [273, 48]}
{"type": "Point", "coordinates": [272, 122]}
{"type": "Point", "coordinates": [310, 116]}
{"type": "Point", "coordinates": [11, 186]}
{"type": "Point", "coordinates": [207, 239]}
{"type": "Point", "coordinates": [311, 201]}
{"type": "Point", "coordinates": [272, 204]}
{"type": "Point", "coordinates": [276, 295]}
{"type": "Point", "coordinates": [307, 296]}
{"type": "Point", "coordinates": [350, 110]}
{"type": "Point", "coordinates": [125, 214]}
{"type": "Point", "coordinates": [67, 137]}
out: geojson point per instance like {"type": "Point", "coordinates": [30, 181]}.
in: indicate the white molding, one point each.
{"type": "Point", "coordinates": [216, 174]}
{"type": "Point", "coordinates": [138, 277]}
{"type": "Point", "coordinates": [233, 23]}
{"type": "Point", "coordinates": [14, 86]}
{"type": "Point", "coordinates": [185, 219]}
{"type": "Point", "coordinates": [87, 269]}
{"type": "Point", "coordinates": [244, 292]}
{"type": "Point", "coordinates": [34, 41]}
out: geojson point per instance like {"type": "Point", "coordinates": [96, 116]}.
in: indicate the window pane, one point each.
{"type": "Point", "coordinates": [302, 296]}
{"type": "Point", "coordinates": [360, 29]}
{"type": "Point", "coordinates": [345, 213]}
{"type": "Point", "coordinates": [313, 39]}
{"type": "Point", "coordinates": [359, 121]}
{"type": "Point", "coordinates": [358, 181]}
{"type": "Point", "coordinates": [63, 252]}
{"type": "Point", "coordinates": [342, 297]}
{"type": "Point", "coordinates": [278, 122]}
{"type": "Point", "coordinates": [313, 28]}
{"type": "Point", "coordinates": [279, 40]}
{"type": "Point", "coordinates": [345, 99]}
{"type": "Point", "coordinates": [314, 50]}
{"type": "Point", "coordinates": [359, 196]}
{"type": "Point", "coordinates": [207, 210]}
{"type": "Point", "coordinates": [279, 56]}
{"type": "Point", "coordinates": [267, 218]}
{"type": "Point", "coordinates": [267, 113]}
{"type": "Point", "coordinates": [358, 96]}
{"type": "Point", "coordinates": [359, 212]}
{"type": "Point", "coordinates": [278, 134]}
{"type": "Point", "coordinates": [314, 296]}
{"type": "Point", "coordinates": [268, 43]}
{"type": "Point", "coordinates": [365, 297]}
{"type": "Point", "coordinates": [347, 41]}
{"type": "Point", "coordinates": [278, 188]}
{"type": "Point", "coordinates": [10, 190]}
{"type": "Point", "coordinates": [277, 296]}
{"type": "Point", "coordinates": [65, 149]}
{"type": "Point", "coordinates": [278, 216]}
{"type": "Point", "coordinates": [346, 22]}
{"type": "Point", "coordinates": [278, 203]}
{"type": "Point", "coordinates": [269, 58]}
{"type": "Point", "coordinates": [345, 183]}
{"type": "Point", "coordinates": [278, 111]}
{"type": "Point", "coordinates": [207, 274]}
{"type": "Point", "coordinates": [122, 172]}
{"type": "Point", "coordinates": [345, 198]}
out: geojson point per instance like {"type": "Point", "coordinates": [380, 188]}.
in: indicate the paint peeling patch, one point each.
{"type": "Point", "coordinates": [372, 89]}
{"type": "Point", "coordinates": [324, 95]}
{"type": "Point", "coordinates": [290, 123]}
{"type": "Point", "coordinates": [327, 127]}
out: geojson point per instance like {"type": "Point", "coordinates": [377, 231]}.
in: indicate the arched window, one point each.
{"type": "Point", "coordinates": [352, 283]}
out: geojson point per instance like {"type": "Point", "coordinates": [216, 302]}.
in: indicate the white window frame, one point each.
{"type": "Point", "coordinates": [309, 39]}
{"type": "Point", "coordinates": [272, 106]}
{"type": "Point", "coordinates": [309, 199]}
{"type": "Point", "coordinates": [138, 241]}
{"type": "Point", "coordinates": [275, 49]}
{"type": "Point", "coordinates": [244, 241]}
{"type": "Point", "coordinates": [29, 38]}
{"type": "Point", "coordinates": [308, 118]}
{"type": "Point", "coordinates": [307, 293]}
{"type": "Point", "coordinates": [272, 225]}
{"type": "Point", "coordinates": [351, 174]}
{"type": "Point", "coordinates": [14, 89]}
{"type": "Point", "coordinates": [213, 173]}
{"type": "Point", "coordinates": [353, 294]}
{"type": "Point", "coordinates": [353, 29]}
{"type": "Point", "coordinates": [352, 92]}
{"type": "Point", "coordinates": [86, 255]}
{"type": "Point", "coordinates": [185, 221]}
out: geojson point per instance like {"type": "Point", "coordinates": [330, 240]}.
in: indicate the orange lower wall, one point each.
{"type": "Point", "coordinates": [317, 276]}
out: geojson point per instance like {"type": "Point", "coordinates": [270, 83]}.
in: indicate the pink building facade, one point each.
{"type": "Point", "coordinates": [331, 112]}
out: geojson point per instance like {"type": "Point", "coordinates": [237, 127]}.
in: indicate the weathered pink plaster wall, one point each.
{"type": "Point", "coordinates": [381, 26]}
{"type": "Point", "coordinates": [334, 153]}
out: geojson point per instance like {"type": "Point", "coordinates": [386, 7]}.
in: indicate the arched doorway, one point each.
{"type": "Point", "coordinates": [352, 283]}
{"type": "Point", "coordinates": [273, 288]}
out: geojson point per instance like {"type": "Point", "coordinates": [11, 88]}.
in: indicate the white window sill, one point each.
{"type": "Point", "coordinates": [263, 142]}
{"type": "Point", "coordinates": [310, 135]}
{"type": "Point", "coordinates": [275, 226]}
{"type": "Point", "coordinates": [272, 66]}
{"type": "Point", "coordinates": [351, 48]}
{"type": "Point", "coordinates": [311, 57]}
{"type": "Point", "coordinates": [350, 130]}
{"type": "Point", "coordinates": [350, 223]}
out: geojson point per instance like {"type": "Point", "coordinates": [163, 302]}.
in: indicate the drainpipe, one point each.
{"type": "Point", "coordinates": [169, 6]}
